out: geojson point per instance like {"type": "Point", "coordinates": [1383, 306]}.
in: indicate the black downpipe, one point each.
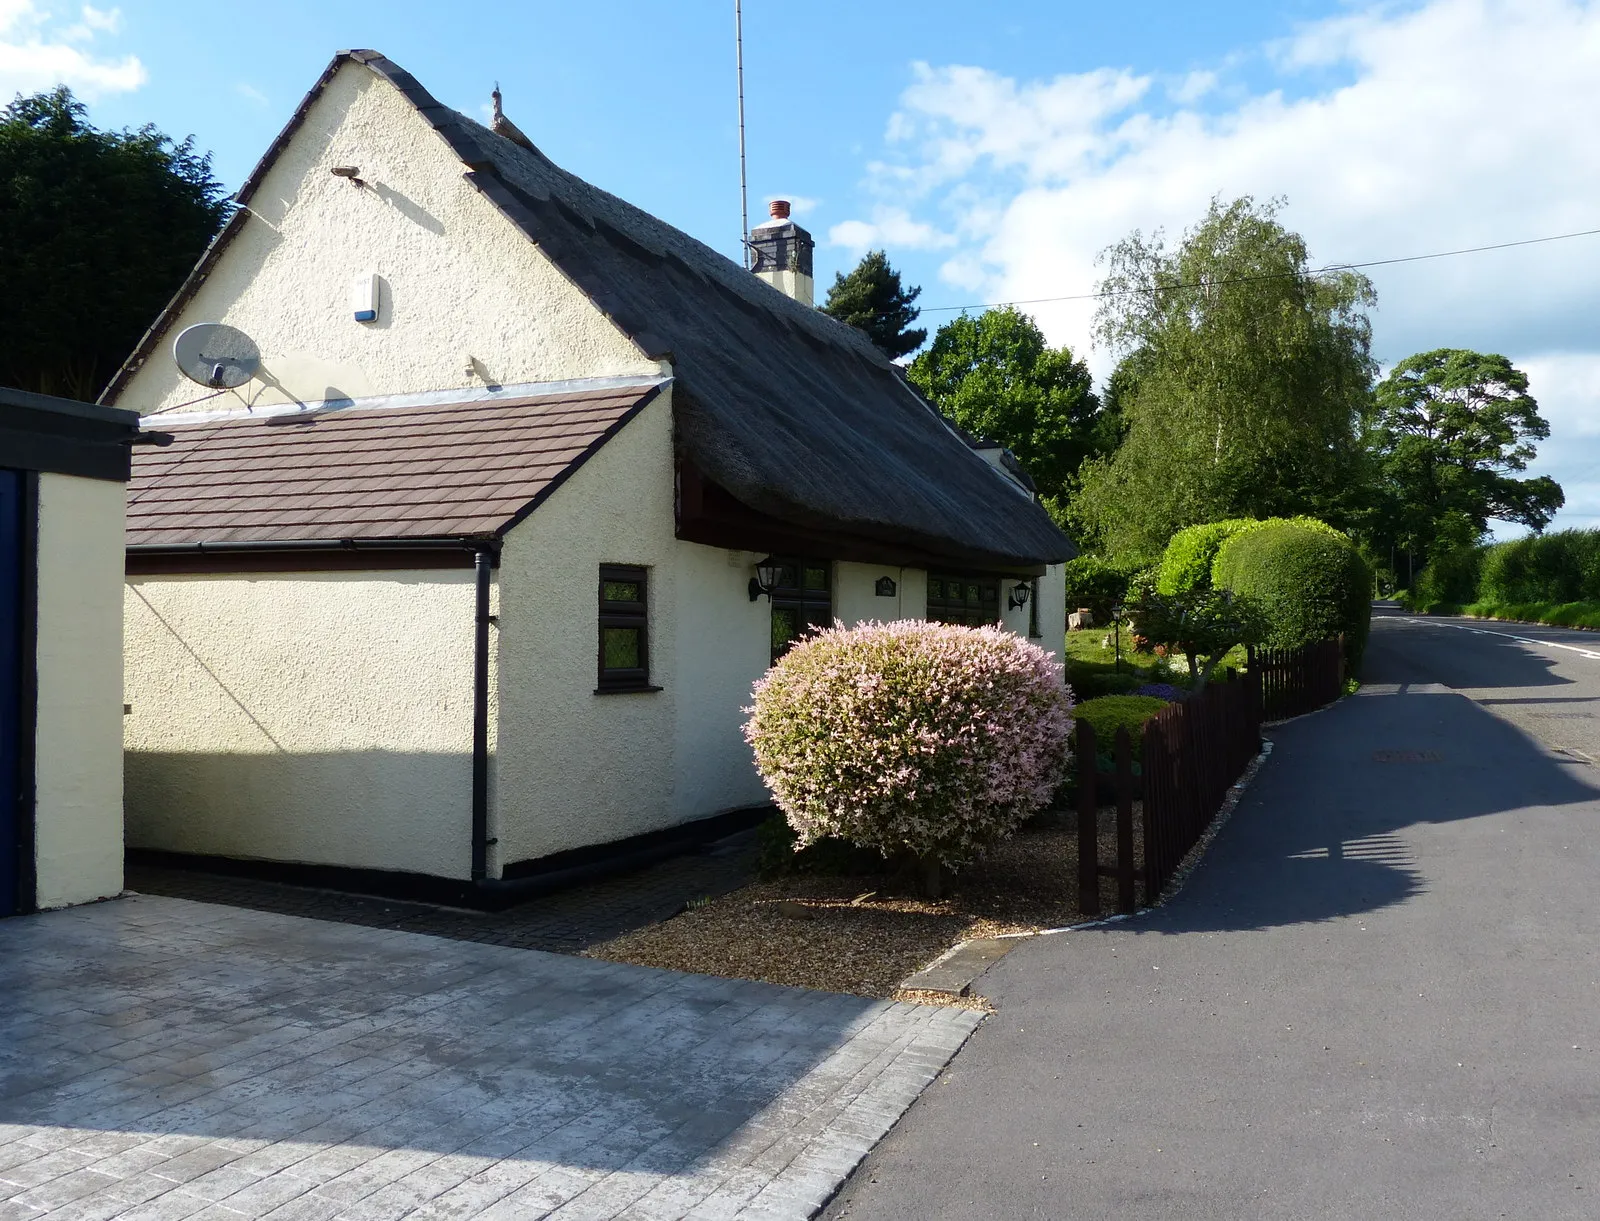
{"type": "Point", "coordinates": [484, 563]}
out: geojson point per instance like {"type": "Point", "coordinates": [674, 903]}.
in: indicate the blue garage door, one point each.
{"type": "Point", "coordinates": [11, 591]}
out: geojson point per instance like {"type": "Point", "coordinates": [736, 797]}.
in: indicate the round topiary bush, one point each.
{"type": "Point", "coordinates": [1186, 563]}
{"type": "Point", "coordinates": [1308, 585]}
{"type": "Point", "coordinates": [912, 738]}
{"type": "Point", "coordinates": [1189, 561]}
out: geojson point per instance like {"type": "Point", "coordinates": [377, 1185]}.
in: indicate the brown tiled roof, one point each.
{"type": "Point", "coordinates": [369, 474]}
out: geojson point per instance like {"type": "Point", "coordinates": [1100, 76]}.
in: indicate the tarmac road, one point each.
{"type": "Point", "coordinates": [1378, 998]}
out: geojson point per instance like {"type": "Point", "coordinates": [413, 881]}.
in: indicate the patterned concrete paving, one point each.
{"type": "Point", "coordinates": [163, 1059]}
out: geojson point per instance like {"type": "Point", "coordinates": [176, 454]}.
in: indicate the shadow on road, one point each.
{"type": "Point", "coordinates": [1318, 835]}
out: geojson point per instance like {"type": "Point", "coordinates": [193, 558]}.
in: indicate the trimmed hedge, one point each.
{"type": "Point", "coordinates": [1559, 567]}
{"type": "Point", "coordinates": [1189, 562]}
{"type": "Point", "coordinates": [1186, 563]}
{"type": "Point", "coordinates": [1310, 584]}
{"type": "Point", "coordinates": [1109, 712]}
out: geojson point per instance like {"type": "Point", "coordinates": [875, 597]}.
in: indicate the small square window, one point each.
{"type": "Point", "coordinates": [624, 629]}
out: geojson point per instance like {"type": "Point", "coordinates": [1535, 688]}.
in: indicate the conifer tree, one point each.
{"type": "Point", "coordinates": [97, 231]}
{"type": "Point", "coordinates": [872, 299]}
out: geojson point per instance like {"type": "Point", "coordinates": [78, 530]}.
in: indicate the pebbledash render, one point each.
{"type": "Point", "coordinates": [460, 592]}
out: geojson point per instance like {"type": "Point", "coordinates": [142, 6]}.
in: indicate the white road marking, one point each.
{"type": "Point", "coordinates": [1478, 631]}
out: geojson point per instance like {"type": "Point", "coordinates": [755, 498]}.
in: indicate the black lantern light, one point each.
{"type": "Point", "coordinates": [1019, 596]}
{"type": "Point", "coordinates": [765, 580]}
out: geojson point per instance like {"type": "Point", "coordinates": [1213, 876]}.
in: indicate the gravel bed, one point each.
{"type": "Point", "coordinates": [863, 935]}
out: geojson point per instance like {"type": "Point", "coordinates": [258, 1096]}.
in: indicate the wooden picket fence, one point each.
{"type": "Point", "coordinates": [1192, 753]}
{"type": "Point", "coordinates": [1297, 681]}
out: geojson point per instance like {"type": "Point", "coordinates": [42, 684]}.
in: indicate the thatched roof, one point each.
{"type": "Point", "coordinates": [797, 416]}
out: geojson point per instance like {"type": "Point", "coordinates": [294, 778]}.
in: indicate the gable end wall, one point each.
{"type": "Point", "coordinates": [465, 297]}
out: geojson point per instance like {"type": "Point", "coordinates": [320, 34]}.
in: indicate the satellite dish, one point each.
{"type": "Point", "coordinates": [217, 356]}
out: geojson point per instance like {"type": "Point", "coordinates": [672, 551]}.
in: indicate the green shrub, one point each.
{"type": "Point", "coordinates": [1092, 685]}
{"type": "Point", "coordinates": [1309, 584]}
{"type": "Point", "coordinates": [1186, 563]}
{"type": "Point", "coordinates": [1454, 559]}
{"type": "Point", "coordinates": [1095, 583]}
{"type": "Point", "coordinates": [1560, 567]}
{"type": "Point", "coordinates": [1450, 577]}
{"type": "Point", "coordinates": [1110, 712]}
{"type": "Point", "coordinates": [1189, 561]}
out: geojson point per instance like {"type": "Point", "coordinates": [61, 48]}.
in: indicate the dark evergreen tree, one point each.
{"type": "Point", "coordinates": [872, 299]}
{"type": "Point", "coordinates": [97, 231]}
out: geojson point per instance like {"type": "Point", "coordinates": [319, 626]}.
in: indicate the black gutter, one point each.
{"type": "Point", "coordinates": [484, 564]}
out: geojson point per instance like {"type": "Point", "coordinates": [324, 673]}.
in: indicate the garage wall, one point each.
{"type": "Point", "coordinates": [78, 763]}
{"type": "Point", "coordinates": [317, 718]}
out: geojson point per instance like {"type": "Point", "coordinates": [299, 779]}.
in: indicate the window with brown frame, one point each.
{"type": "Point", "coordinates": [624, 629]}
{"type": "Point", "coordinates": [973, 601]}
{"type": "Point", "coordinates": [802, 599]}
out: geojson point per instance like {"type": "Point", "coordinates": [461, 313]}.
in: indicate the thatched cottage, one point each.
{"type": "Point", "coordinates": [466, 585]}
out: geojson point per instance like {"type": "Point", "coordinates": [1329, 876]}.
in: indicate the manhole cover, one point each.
{"type": "Point", "coordinates": [1406, 756]}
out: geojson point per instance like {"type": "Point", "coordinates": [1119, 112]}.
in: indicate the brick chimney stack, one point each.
{"type": "Point", "coordinates": [781, 251]}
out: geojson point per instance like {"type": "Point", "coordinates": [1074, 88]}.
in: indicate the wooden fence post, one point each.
{"type": "Point", "coordinates": [1088, 829]}
{"type": "Point", "coordinates": [1125, 896]}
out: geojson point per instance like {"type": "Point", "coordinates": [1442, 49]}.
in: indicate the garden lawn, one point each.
{"type": "Point", "coordinates": [865, 934]}
{"type": "Point", "coordinates": [1557, 614]}
{"type": "Point", "coordinates": [1092, 666]}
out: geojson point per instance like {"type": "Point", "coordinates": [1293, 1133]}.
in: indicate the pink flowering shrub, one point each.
{"type": "Point", "coordinates": [913, 737]}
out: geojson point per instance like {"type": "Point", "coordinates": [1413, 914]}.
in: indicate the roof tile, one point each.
{"type": "Point", "coordinates": [365, 473]}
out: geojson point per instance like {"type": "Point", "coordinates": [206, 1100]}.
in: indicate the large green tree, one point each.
{"type": "Point", "coordinates": [996, 376]}
{"type": "Point", "coordinates": [872, 299]}
{"type": "Point", "coordinates": [1242, 379]}
{"type": "Point", "coordinates": [97, 231]}
{"type": "Point", "coordinates": [1449, 433]}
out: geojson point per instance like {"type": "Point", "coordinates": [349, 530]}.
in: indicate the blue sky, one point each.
{"type": "Point", "coordinates": [993, 150]}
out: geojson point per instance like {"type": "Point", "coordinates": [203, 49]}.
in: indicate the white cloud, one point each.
{"type": "Point", "coordinates": [889, 226]}
{"type": "Point", "coordinates": [1456, 123]}
{"type": "Point", "coordinates": [251, 93]}
{"type": "Point", "coordinates": [38, 52]}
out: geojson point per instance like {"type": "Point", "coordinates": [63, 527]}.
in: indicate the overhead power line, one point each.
{"type": "Point", "coordinates": [1272, 275]}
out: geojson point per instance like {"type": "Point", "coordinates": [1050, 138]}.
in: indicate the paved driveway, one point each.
{"type": "Point", "coordinates": [163, 1059]}
{"type": "Point", "coordinates": [1378, 998]}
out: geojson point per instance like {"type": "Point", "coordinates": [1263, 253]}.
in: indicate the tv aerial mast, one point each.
{"type": "Point", "coordinates": [744, 197]}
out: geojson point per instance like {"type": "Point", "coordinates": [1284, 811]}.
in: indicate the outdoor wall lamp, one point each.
{"type": "Point", "coordinates": [1019, 596]}
{"type": "Point", "coordinates": [765, 580]}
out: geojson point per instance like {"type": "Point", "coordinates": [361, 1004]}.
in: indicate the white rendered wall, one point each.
{"type": "Point", "coordinates": [576, 768]}
{"type": "Point", "coordinates": [1053, 611]}
{"type": "Point", "coordinates": [78, 748]}
{"type": "Point", "coordinates": [856, 599]}
{"type": "Point", "coordinates": [459, 280]}
{"type": "Point", "coordinates": [321, 718]}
